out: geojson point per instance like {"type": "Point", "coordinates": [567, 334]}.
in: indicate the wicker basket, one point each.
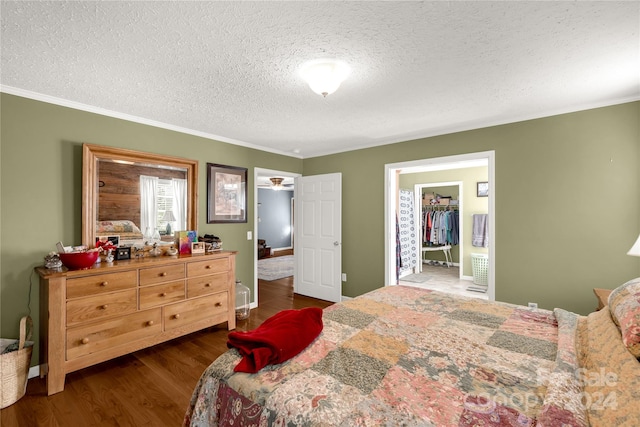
{"type": "Point", "coordinates": [15, 366]}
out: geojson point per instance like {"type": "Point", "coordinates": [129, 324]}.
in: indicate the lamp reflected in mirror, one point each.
{"type": "Point", "coordinates": [169, 217]}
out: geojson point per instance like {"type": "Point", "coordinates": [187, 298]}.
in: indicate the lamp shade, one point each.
{"type": "Point", "coordinates": [324, 75]}
{"type": "Point", "coordinates": [168, 216]}
{"type": "Point", "coordinates": [635, 249]}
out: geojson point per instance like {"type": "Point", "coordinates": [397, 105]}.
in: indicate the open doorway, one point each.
{"type": "Point", "coordinates": [273, 225]}
{"type": "Point", "coordinates": [392, 179]}
{"type": "Point", "coordinates": [427, 196]}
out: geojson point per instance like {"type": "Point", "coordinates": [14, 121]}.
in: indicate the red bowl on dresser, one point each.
{"type": "Point", "coordinates": [78, 260]}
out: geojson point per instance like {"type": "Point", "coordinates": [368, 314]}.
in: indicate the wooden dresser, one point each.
{"type": "Point", "coordinates": [90, 316]}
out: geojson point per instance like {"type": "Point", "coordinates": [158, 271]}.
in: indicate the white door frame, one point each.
{"type": "Point", "coordinates": [258, 172]}
{"type": "Point", "coordinates": [437, 163]}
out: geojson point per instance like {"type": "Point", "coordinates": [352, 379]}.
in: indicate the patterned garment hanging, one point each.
{"type": "Point", "coordinates": [408, 232]}
{"type": "Point", "coordinates": [398, 251]}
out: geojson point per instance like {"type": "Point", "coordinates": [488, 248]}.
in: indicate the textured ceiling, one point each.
{"type": "Point", "coordinates": [228, 70]}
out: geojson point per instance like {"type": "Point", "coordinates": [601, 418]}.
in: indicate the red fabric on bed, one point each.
{"type": "Point", "coordinates": [278, 339]}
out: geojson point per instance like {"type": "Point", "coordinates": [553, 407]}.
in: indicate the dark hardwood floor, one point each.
{"type": "Point", "coordinates": [151, 387]}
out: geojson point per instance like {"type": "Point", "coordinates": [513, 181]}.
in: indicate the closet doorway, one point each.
{"type": "Point", "coordinates": [453, 189]}
{"type": "Point", "coordinates": [459, 162]}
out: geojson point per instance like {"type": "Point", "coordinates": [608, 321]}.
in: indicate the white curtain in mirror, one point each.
{"type": "Point", "coordinates": [180, 203]}
{"type": "Point", "coordinates": [148, 205]}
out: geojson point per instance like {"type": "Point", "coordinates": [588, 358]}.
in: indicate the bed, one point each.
{"type": "Point", "coordinates": [125, 229]}
{"type": "Point", "coordinates": [407, 356]}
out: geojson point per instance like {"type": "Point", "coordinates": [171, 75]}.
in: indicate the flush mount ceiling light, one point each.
{"type": "Point", "coordinates": [324, 75]}
{"type": "Point", "coordinates": [276, 183]}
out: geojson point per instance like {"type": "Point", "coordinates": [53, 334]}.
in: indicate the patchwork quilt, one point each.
{"type": "Point", "coordinates": [125, 229]}
{"type": "Point", "coordinates": [414, 357]}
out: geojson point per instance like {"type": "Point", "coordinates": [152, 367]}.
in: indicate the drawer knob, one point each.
{"type": "Point", "coordinates": [104, 307]}
{"type": "Point", "coordinates": [150, 323]}
{"type": "Point", "coordinates": [84, 340]}
{"type": "Point", "coordinates": [207, 285]}
{"type": "Point", "coordinates": [104, 283]}
{"type": "Point", "coordinates": [164, 273]}
{"type": "Point", "coordinates": [218, 304]}
{"type": "Point", "coordinates": [176, 316]}
{"type": "Point", "coordinates": [164, 294]}
{"type": "Point", "coordinates": [208, 267]}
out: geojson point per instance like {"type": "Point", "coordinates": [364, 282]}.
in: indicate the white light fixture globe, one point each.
{"type": "Point", "coordinates": [324, 75]}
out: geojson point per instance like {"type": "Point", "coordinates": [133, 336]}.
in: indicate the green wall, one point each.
{"type": "Point", "coordinates": [567, 203]}
{"type": "Point", "coordinates": [41, 174]}
{"type": "Point", "coordinates": [557, 180]}
{"type": "Point", "coordinates": [471, 204]}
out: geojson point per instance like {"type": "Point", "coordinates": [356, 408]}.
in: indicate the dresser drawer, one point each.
{"type": "Point", "coordinates": [121, 330]}
{"type": "Point", "coordinates": [167, 273]}
{"type": "Point", "coordinates": [101, 306]}
{"type": "Point", "coordinates": [195, 310]}
{"type": "Point", "coordinates": [151, 296]}
{"type": "Point", "coordinates": [101, 283]}
{"type": "Point", "coordinates": [210, 266]}
{"type": "Point", "coordinates": [204, 285]}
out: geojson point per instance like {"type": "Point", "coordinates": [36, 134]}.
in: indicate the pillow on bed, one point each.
{"type": "Point", "coordinates": [624, 305]}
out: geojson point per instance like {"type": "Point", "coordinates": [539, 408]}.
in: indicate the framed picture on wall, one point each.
{"type": "Point", "coordinates": [483, 189]}
{"type": "Point", "coordinates": [226, 194]}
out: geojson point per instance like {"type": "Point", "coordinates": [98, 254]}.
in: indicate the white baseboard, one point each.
{"type": "Point", "coordinates": [34, 371]}
{"type": "Point", "coordinates": [286, 248]}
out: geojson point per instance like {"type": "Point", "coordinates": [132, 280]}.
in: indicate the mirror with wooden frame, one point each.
{"type": "Point", "coordinates": [134, 195]}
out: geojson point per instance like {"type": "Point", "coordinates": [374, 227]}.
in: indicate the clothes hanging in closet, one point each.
{"type": "Point", "coordinates": [440, 227]}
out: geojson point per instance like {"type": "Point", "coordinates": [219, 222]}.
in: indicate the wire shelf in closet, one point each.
{"type": "Point", "coordinates": [440, 207]}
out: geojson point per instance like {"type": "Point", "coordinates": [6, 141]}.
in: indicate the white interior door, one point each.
{"type": "Point", "coordinates": [318, 243]}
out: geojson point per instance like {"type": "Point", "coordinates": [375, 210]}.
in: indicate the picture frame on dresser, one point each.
{"type": "Point", "coordinates": [197, 248]}
{"type": "Point", "coordinates": [226, 194]}
{"type": "Point", "coordinates": [107, 241]}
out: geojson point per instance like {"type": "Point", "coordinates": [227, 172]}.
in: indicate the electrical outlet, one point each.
{"type": "Point", "coordinates": [344, 277]}
{"type": "Point", "coordinates": [533, 305]}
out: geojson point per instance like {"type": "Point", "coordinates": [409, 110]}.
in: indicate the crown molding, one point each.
{"type": "Point", "coordinates": [384, 141]}
{"type": "Point", "coordinates": [128, 117]}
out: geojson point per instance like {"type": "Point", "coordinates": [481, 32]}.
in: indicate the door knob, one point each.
{"type": "Point", "coordinates": [336, 243]}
